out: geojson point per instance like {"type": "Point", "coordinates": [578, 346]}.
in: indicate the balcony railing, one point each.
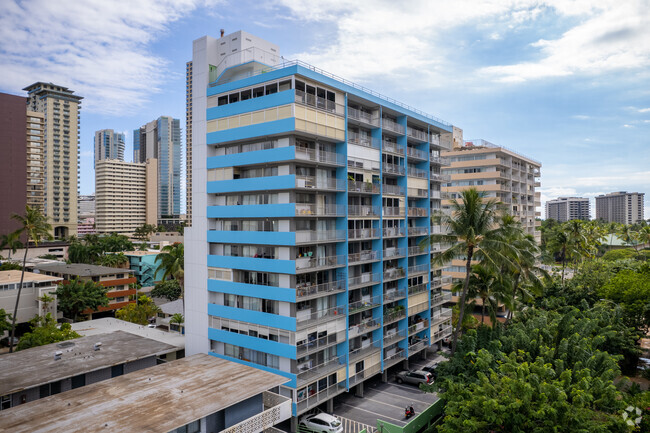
{"type": "Point", "coordinates": [394, 358]}
{"type": "Point", "coordinates": [393, 336]}
{"type": "Point", "coordinates": [364, 279]}
{"type": "Point", "coordinates": [419, 192]}
{"type": "Point", "coordinates": [390, 168]}
{"type": "Point", "coordinates": [419, 288]}
{"type": "Point", "coordinates": [440, 160]}
{"type": "Point", "coordinates": [364, 141]}
{"type": "Point", "coordinates": [312, 263]}
{"type": "Point", "coordinates": [368, 371]}
{"type": "Point", "coordinates": [417, 172]}
{"type": "Point", "coordinates": [330, 184]}
{"type": "Point", "coordinates": [440, 333]}
{"type": "Point", "coordinates": [394, 273]}
{"type": "Point", "coordinates": [390, 253]}
{"type": "Point", "coordinates": [363, 233]}
{"type": "Point", "coordinates": [437, 177]}
{"type": "Point", "coordinates": [391, 125]}
{"type": "Point", "coordinates": [363, 116]}
{"type": "Point", "coordinates": [435, 194]}
{"type": "Point", "coordinates": [434, 139]}
{"type": "Point", "coordinates": [394, 316]}
{"type": "Point", "coordinates": [392, 232]}
{"type": "Point", "coordinates": [277, 408]}
{"type": "Point", "coordinates": [363, 187]}
{"type": "Point", "coordinates": [392, 190]}
{"type": "Point", "coordinates": [393, 211]}
{"type": "Point", "coordinates": [418, 269]}
{"type": "Point", "coordinates": [416, 250]}
{"type": "Point", "coordinates": [320, 103]}
{"type": "Point", "coordinates": [363, 256]}
{"type": "Point", "coordinates": [315, 290]}
{"type": "Point", "coordinates": [315, 345]}
{"type": "Point", "coordinates": [366, 349]}
{"type": "Point", "coordinates": [418, 231]}
{"type": "Point", "coordinates": [333, 210]}
{"type": "Point", "coordinates": [416, 347]}
{"type": "Point", "coordinates": [392, 147]}
{"type": "Point", "coordinates": [363, 210]}
{"type": "Point", "coordinates": [322, 156]}
{"type": "Point", "coordinates": [441, 298]}
{"type": "Point", "coordinates": [416, 153]}
{"type": "Point", "coordinates": [394, 295]}
{"type": "Point", "coordinates": [418, 134]}
{"type": "Point", "coordinates": [417, 212]}
{"type": "Point", "coordinates": [440, 315]}
{"type": "Point", "coordinates": [309, 316]}
{"type": "Point", "coordinates": [417, 327]}
{"type": "Point", "coordinates": [308, 236]}
{"type": "Point", "coordinates": [367, 325]}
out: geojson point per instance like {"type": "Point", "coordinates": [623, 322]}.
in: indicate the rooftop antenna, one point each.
{"type": "Point", "coordinates": [222, 32]}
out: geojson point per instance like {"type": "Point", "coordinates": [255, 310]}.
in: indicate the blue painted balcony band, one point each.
{"type": "Point", "coordinates": [249, 237]}
{"type": "Point", "coordinates": [253, 264]}
{"type": "Point", "coordinates": [253, 290]}
{"type": "Point", "coordinates": [253, 211]}
{"type": "Point", "coordinates": [291, 377]}
{"type": "Point", "coordinates": [257, 317]}
{"type": "Point", "coordinates": [287, 153]}
{"type": "Point", "coordinates": [252, 184]}
{"type": "Point", "coordinates": [274, 127]}
{"type": "Point", "coordinates": [267, 346]}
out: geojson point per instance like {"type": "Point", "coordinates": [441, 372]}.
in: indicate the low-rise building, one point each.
{"type": "Point", "coordinates": [144, 265]}
{"type": "Point", "coordinates": [200, 393]}
{"type": "Point", "coordinates": [34, 287]}
{"type": "Point", "coordinates": [86, 227]}
{"type": "Point", "coordinates": [116, 280]}
{"type": "Point", "coordinates": [166, 313]}
{"type": "Point", "coordinates": [42, 371]}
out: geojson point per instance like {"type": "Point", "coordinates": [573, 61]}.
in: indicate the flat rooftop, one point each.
{"type": "Point", "coordinates": [13, 276]}
{"type": "Point", "coordinates": [155, 399]}
{"type": "Point", "coordinates": [109, 324]}
{"type": "Point", "coordinates": [36, 366]}
{"type": "Point", "coordinates": [81, 269]}
{"type": "Point", "coordinates": [141, 253]}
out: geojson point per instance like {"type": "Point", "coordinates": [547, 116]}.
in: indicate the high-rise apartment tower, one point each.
{"type": "Point", "coordinates": [565, 209]}
{"type": "Point", "coordinates": [109, 145]}
{"type": "Point", "coordinates": [621, 207]}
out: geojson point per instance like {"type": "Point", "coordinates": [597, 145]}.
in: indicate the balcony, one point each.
{"type": "Point", "coordinates": [313, 346]}
{"type": "Point", "coordinates": [313, 400]}
{"type": "Point", "coordinates": [363, 211]}
{"type": "Point", "coordinates": [417, 134]}
{"type": "Point", "coordinates": [308, 373]}
{"type": "Point", "coordinates": [332, 210]}
{"type": "Point", "coordinates": [363, 257]}
{"type": "Point", "coordinates": [309, 291]}
{"type": "Point", "coordinates": [320, 156]}
{"type": "Point", "coordinates": [417, 327]}
{"type": "Point", "coordinates": [311, 236]}
{"type": "Point", "coordinates": [440, 316]}
{"type": "Point", "coordinates": [313, 182]}
{"type": "Point", "coordinates": [416, 251]}
{"type": "Point", "coordinates": [417, 172]}
{"type": "Point", "coordinates": [393, 336]}
{"type": "Point", "coordinates": [391, 125]}
{"type": "Point", "coordinates": [418, 269]}
{"type": "Point", "coordinates": [393, 356]}
{"type": "Point", "coordinates": [393, 274]}
{"type": "Point", "coordinates": [392, 190]}
{"type": "Point", "coordinates": [437, 177]}
{"type": "Point", "coordinates": [393, 315]}
{"type": "Point", "coordinates": [435, 194]}
{"type": "Point", "coordinates": [363, 234]}
{"type": "Point", "coordinates": [366, 279]}
{"type": "Point", "coordinates": [364, 141]}
{"type": "Point", "coordinates": [441, 298]}
{"type": "Point", "coordinates": [363, 187]}
{"type": "Point", "coordinates": [395, 169]}
{"type": "Point", "coordinates": [309, 317]}
{"type": "Point", "coordinates": [320, 103]}
{"type": "Point", "coordinates": [393, 211]}
{"type": "Point", "coordinates": [439, 160]}
{"type": "Point", "coordinates": [363, 117]}
{"type": "Point", "coordinates": [441, 333]}
{"type": "Point", "coordinates": [392, 147]}
{"type": "Point", "coordinates": [367, 372]}
{"type": "Point", "coordinates": [366, 326]}
{"type": "Point", "coordinates": [417, 212]}
{"type": "Point", "coordinates": [416, 154]}
{"type": "Point", "coordinates": [394, 253]}
{"type": "Point", "coordinates": [419, 345]}
{"type": "Point", "coordinates": [393, 295]}
{"type": "Point", "coordinates": [316, 263]}
{"type": "Point", "coordinates": [393, 232]}
{"type": "Point", "coordinates": [419, 193]}
{"type": "Point", "coordinates": [419, 288]}
{"type": "Point", "coordinates": [418, 231]}
{"type": "Point", "coordinates": [277, 408]}
{"type": "Point", "coordinates": [366, 349]}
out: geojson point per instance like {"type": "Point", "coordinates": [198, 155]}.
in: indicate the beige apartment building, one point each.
{"type": "Point", "coordinates": [35, 159]}
{"type": "Point", "coordinates": [34, 287]}
{"type": "Point", "coordinates": [622, 207]}
{"type": "Point", "coordinates": [126, 195]}
{"type": "Point", "coordinates": [500, 173]}
{"type": "Point", "coordinates": [565, 209]}
{"type": "Point", "coordinates": [60, 109]}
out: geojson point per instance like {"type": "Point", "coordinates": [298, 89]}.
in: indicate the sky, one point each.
{"type": "Point", "coordinates": [564, 82]}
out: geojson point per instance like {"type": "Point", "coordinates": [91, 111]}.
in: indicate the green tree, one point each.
{"type": "Point", "coordinates": [143, 232]}
{"type": "Point", "coordinates": [113, 260]}
{"type": "Point", "coordinates": [75, 296]}
{"type": "Point", "coordinates": [472, 233]}
{"type": "Point", "coordinates": [12, 242]}
{"type": "Point", "coordinates": [35, 227]}
{"type": "Point", "coordinates": [140, 312]}
{"type": "Point", "coordinates": [168, 289]}
{"type": "Point", "coordinates": [46, 300]}
{"type": "Point", "coordinates": [487, 285]}
{"type": "Point", "coordinates": [5, 324]}
{"type": "Point", "coordinates": [631, 290]}
{"type": "Point", "coordinates": [45, 331]}
{"type": "Point", "coordinates": [619, 254]}
{"type": "Point", "coordinates": [628, 234]}
{"type": "Point", "coordinates": [172, 262]}
{"type": "Point", "coordinates": [178, 319]}
{"type": "Point", "coordinates": [10, 266]}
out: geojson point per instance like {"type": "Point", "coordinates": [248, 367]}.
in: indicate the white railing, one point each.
{"type": "Point", "coordinates": [305, 209]}
{"type": "Point", "coordinates": [417, 327]}
{"type": "Point", "coordinates": [314, 182]}
{"type": "Point", "coordinates": [319, 262]}
{"type": "Point", "coordinates": [391, 125]}
{"type": "Point", "coordinates": [393, 295]}
{"type": "Point", "coordinates": [315, 155]}
{"type": "Point", "coordinates": [363, 327]}
{"type": "Point", "coordinates": [416, 153]}
{"type": "Point", "coordinates": [417, 212]}
{"type": "Point", "coordinates": [391, 337]}
{"type": "Point", "coordinates": [417, 172]}
{"type": "Point", "coordinates": [419, 192]}
{"type": "Point", "coordinates": [441, 298]}
{"type": "Point", "coordinates": [417, 269]}
{"type": "Point", "coordinates": [320, 103]}
{"type": "Point", "coordinates": [440, 160]}
{"type": "Point", "coordinates": [363, 256]}
{"type": "Point", "coordinates": [394, 252]}
{"type": "Point", "coordinates": [306, 236]}
{"type": "Point", "coordinates": [363, 116]}
{"type": "Point", "coordinates": [310, 316]}
{"type": "Point", "coordinates": [440, 334]}
{"type": "Point", "coordinates": [305, 290]}
{"type": "Point", "coordinates": [363, 233]}
{"type": "Point", "coordinates": [389, 146]}
{"type": "Point", "coordinates": [392, 189]}
{"type": "Point", "coordinates": [365, 187]}
{"type": "Point", "coordinates": [418, 134]}
{"type": "Point", "coordinates": [393, 232]}
{"type": "Point", "coordinates": [418, 231]}
{"type": "Point", "coordinates": [363, 141]}
{"type": "Point", "coordinates": [414, 290]}
{"type": "Point", "coordinates": [393, 211]}
{"type": "Point", "coordinates": [387, 167]}
{"type": "Point", "coordinates": [309, 373]}
{"type": "Point", "coordinates": [367, 278]}
{"type": "Point", "coordinates": [363, 210]}
{"type": "Point", "coordinates": [317, 344]}
{"type": "Point", "coordinates": [440, 177]}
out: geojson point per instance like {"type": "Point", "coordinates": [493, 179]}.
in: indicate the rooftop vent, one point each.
{"type": "Point", "coordinates": [97, 346]}
{"type": "Point", "coordinates": [57, 355]}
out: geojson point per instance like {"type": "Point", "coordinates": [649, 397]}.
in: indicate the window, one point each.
{"type": "Point", "coordinates": [117, 370]}
{"type": "Point", "coordinates": [78, 381]}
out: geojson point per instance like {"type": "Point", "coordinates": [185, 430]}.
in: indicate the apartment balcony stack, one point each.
{"type": "Point", "coordinates": [307, 230]}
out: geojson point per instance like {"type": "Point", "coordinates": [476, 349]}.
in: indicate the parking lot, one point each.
{"type": "Point", "coordinates": [385, 401]}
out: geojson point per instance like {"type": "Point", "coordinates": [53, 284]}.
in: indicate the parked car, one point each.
{"type": "Point", "coordinates": [5, 341]}
{"type": "Point", "coordinates": [322, 423]}
{"type": "Point", "coordinates": [431, 369]}
{"type": "Point", "coordinates": [415, 377]}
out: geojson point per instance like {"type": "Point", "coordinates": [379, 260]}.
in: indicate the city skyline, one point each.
{"type": "Point", "coordinates": [559, 82]}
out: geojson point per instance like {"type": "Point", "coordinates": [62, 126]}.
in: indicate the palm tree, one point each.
{"type": "Point", "coordinates": [35, 226]}
{"type": "Point", "coordinates": [560, 243]}
{"type": "Point", "coordinates": [112, 260]}
{"type": "Point", "coordinates": [11, 241]}
{"type": "Point", "coordinates": [171, 260]}
{"type": "Point", "coordinates": [472, 232]}
{"type": "Point", "coordinates": [643, 236]}
{"type": "Point", "coordinates": [628, 235]}
{"type": "Point", "coordinates": [177, 318]}
{"type": "Point", "coordinates": [487, 285]}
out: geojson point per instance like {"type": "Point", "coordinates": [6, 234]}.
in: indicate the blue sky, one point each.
{"type": "Point", "coordinates": [564, 82]}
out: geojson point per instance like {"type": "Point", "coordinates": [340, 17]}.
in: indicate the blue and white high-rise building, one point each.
{"type": "Point", "coordinates": [109, 145]}
{"type": "Point", "coordinates": [311, 196]}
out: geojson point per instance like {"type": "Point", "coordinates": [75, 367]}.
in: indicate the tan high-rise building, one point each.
{"type": "Point", "coordinates": [622, 207]}
{"type": "Point", "coordinates": [188, 143]}
{"type": "Point", "coordinates": [35, 160]}
{"type": "Point", "coordinates": [125, 195]}
{"type": "Point", "coordinates": [60, 109]}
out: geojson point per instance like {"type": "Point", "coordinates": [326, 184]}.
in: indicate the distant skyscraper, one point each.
{"type": "Point", "coordinates": [568, 208]}
{"type": "Point", "coordinates": [188, 143]}
{"type": "Point", "coordinates": [61, 152]}
{"type": "Point", "coordinates": [621, 207]}
{"type": "Point", "coordinates": [161, 139]}
{"type": "Point", "coordinates": [109, 145]}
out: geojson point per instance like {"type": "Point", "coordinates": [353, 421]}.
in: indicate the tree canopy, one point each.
{"type": "Point", "coordinates": [140, 312]}
{"type": "Point", "coordinates": [75, 296]}
{"type": "Point", "coordinates": [44, 330]}
{"type": "Point", "coordinates": [168, 289]}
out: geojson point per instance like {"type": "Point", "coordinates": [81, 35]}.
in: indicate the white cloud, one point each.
{"type": "Point", "coordinates": [97, 48]}
{"type": "Point", "coordinates": [628, 126]}
{"type": "Point", "coordinates": [581, 117]}
{"type": "Point", "coordinates": [644, 110]}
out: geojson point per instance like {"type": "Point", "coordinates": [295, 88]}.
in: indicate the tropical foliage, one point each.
{"type": "Point", "coordinates": [5, 324]}
{"type": "Point", "coordinates": [172, 263]}
{"type": "Point", "coordinates": [11, 241]}
{"type": "Point", "coordinates": [139, 312]}
{"type": "Point", "coordinates": [76, 296]}
{"type": "Point", "coordinates": [168, 289]}
{"type": "Point", "coordinates": [44, 330]}
{"type": "Point", "coordinates": [94, 249]}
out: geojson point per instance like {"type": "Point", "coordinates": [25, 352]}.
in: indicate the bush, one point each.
{"type": "Point", "coordinates": [622, 254]}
